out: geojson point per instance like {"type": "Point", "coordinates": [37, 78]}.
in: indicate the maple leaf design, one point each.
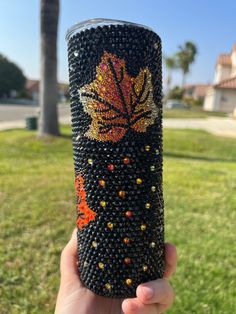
{"type": "Point", "coordinates": [85, 214]}
{"type": "Point", "coordinates": [116, 101]}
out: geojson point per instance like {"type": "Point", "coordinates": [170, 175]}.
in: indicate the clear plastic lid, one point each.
{"type": "Point", "coordinates": [93, 23]}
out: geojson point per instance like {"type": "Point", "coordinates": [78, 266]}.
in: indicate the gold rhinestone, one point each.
{"type": "Point", "coordinates": [108, 286]}
{"type": "Point", "coordinates": [153, 188]}
{"type": "Point", "coordinates": [147, 148]}
{"type": "Point", "coordinates": [99, 77]}
{"type": "Point", "coordinates": [139, 181]}
{"type": "Point", "coordinates": [143, 227]}
{"type": "Point", "coordinates": [101, 183]}
{"type": "Point", "coordinates": [128, 281]}
{"type": "Point", "coordinates": [94, 244]}
{"type": "Point", "coordinates": [145, 268]}
{"type": "Point", "coordinates": [110, 225]}
{"type": "Point", "coordinates": [148, 205]}
{"type": "Point", "coordinates": [103, 203]}
{"type": "Point", "coordinates": [90, 161]}
{"type": "Point", "coordinates": [152, 244]}
{"type": "Point", "coordinates": [100, 265]}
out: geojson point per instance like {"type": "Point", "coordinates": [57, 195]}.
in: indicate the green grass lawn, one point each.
{"type": "Point", "coordinates": [193, 112]}
{"type": "Point", "coordinates": [38, 213]}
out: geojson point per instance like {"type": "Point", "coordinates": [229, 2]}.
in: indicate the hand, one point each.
{"type": "Point", "coordinates": [153, 297]}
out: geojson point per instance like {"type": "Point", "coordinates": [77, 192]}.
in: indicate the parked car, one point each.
{"type": "Point", "coordinates": [175, 104]}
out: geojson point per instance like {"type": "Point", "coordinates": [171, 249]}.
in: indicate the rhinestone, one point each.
{"type": "Point", "coordinates": [76, 53]}
{"type": "Point", "coordinates": [128, 281]}
{"type": "Point", "coordinates": [152, 168]}
{"type": "Point", "coordinates": [101, 183]}
{"type": "Point", "coordinates": [147, 148]}
{"type": "Point", "coordinates": [103, 89]}
{"type": "Point", "coordinates": [157, 152]}
{"type": "Point", "coordinates": [94, 244]}
{"type": "Point", "coordinates": [156, 46]}
{"type": "Point", "coordinates": [145, 268]}
{"type": "Point", "coordinates": [143, 227]}
{"type": "Point", "coordinates": [139, 181]}
{"type": "Point", "coordinates": [148, 205]}
{"type": "Point", "coordinates": [99, 77]}
{"type": "Point", "coordinates": [152, 244]}
{"type": "Point", "coordinates": [126, 160]}
{"type": "Point", "coordinates": [108, 286]}
{"type": "Point", "coordinates": [110, 167]}
{"type": "Point", "coordinates": [121, 194]}
{"type": "Point", "coordinates": [85, 264]}
{"type": "Point", "coordinates": [153, 188]}
{"type": "Point", "coordinates": [103, 203]}
{"type": "Point", "coordinates": [78, 137]}
{"type": "Point", "coordinates": [100, 265]}
{"type": "Point", "coordinates": [90, 161]}
{"type": "Point", "coordinates": [126, 240]}
{"type": "Point", "coordinates": [127, 260]}
{"type": "Point", "coordinates": [128, 213]}
{"type": "Point", "coordinates": [110, 225]}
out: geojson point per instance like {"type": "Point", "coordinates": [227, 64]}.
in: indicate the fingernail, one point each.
{"type": "Point", "coordinates": [147, 292]}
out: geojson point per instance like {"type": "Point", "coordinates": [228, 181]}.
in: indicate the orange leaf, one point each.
{"type": "Point", "coordinates": [85, 214]}
{"type": "Point", "coordinates": [118, 102]}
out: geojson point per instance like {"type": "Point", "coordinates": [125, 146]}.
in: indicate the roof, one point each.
{"type": "Point", "coordinates": [228, 83]}
{"type": "Point", "coordinates": [198, 90]}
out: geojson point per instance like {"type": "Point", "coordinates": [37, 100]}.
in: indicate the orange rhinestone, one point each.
{"type": "Point", "coordinates": [128, 213]}
{"type": "Point", "coordinates": [126, 240]}
{"type": "Point", "coordinates": [102, 182]}
{"type": "Point", "coordinates": [121, 194]}
{"type": "Point", "coordinates": [128, 281]}
{"type": "Point", "coordinates": [103, 89]}
{"type": "Point", "coordinates": [127, 260]}
{"type": "Point", "coordinates": [126, 160]}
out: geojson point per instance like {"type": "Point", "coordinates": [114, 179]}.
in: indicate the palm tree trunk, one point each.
{"type": "Point", "coordinates": [48, 122]}
{"type": "Point", "coordinates": [183, 79]}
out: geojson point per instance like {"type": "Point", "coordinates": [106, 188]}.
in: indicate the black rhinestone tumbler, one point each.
{"type": "Point", "coordinates": [115, 93]}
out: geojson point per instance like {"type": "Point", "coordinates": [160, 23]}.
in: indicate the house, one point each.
{"type": "Point", "coordinates": [221, 96]}
{"type": "Point", "coordinates": [32, 89]}
{"type": "Point", "coordinates": [196, 91]}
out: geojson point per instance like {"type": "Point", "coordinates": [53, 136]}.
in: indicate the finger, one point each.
{"type": "Point", "coordinates": [135, 306]}
{"type": "Point", "coordinates": [156, 291]}
{"type": "Point", "coordinates": [170, 260]}
{"type": "Point", "coordinates": [68, 264]}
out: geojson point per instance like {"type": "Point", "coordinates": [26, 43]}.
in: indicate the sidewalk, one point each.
{"type": "Point", "coordinates": [217, 126]}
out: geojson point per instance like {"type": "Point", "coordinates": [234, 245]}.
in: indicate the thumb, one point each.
{"type": "Point", "coordinates": [68, 265]}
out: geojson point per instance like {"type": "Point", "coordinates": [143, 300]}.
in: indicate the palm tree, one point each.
{"type": "Point", "coordinates": [170, 63]}
{"type": "Point", "coordinates": [185, 57]}
{"type": "Point", "coordinates": [48, 123]}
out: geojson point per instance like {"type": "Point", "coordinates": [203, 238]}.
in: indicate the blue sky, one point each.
{"type": "Point", "coordinates": [209, 24]}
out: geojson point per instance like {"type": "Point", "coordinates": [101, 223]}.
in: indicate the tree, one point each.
{"type": "Point", "coordinates": [171, 64]}
{"type": "Point", "coordinates": [185, 57]}
{"type": "Point", "coordinates": [48, 123]}
{"type": "Point", "coordinates": [11, 77]}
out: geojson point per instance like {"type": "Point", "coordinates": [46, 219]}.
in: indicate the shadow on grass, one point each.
{"type": "Point", "coordinates": [192, 157]}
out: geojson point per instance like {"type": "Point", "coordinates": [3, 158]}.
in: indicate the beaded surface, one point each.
{"type": "Point", "coordinates": [115, 92]}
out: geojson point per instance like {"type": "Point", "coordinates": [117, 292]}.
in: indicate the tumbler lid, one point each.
{"type": "Point", "coordinates": [93, 23]}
